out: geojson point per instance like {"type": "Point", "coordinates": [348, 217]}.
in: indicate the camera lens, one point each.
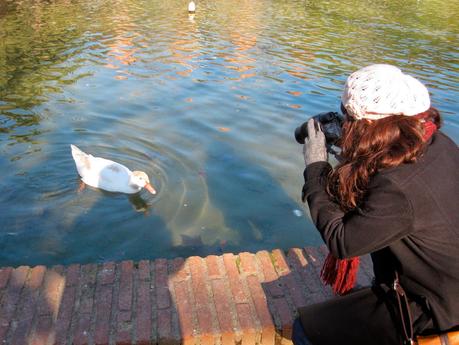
{"type": "Point", "coordinates": [301, 133]}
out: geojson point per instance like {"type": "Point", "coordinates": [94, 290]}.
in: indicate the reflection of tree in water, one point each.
{"type": "Point", "coordinates": [242, 27]}
{"type": "Point", "coordinates": [183, 52]}
{"type": "Point", "coordinates": [37, 41]}
{"type": "Point", "coordinates": [185, 47]}
{"type": "Point", "coordinates": [121, 47]}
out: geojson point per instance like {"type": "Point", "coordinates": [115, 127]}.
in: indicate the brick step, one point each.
{"type": "Point", "coordinates": [229, 299]}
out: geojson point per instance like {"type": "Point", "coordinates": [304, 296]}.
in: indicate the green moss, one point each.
{"type": "Point", "coordinates": [238, 264]}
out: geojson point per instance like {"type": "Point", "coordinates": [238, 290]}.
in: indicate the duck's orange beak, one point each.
{"type": "Point", "coordinates": [150, 188]}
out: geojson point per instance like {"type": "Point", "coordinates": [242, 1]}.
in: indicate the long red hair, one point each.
{"type": "Point", "coordinates": [371, 145]}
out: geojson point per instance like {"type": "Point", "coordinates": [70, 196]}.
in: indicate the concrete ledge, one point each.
{"type": "Point", "coordinates": [228, 299]}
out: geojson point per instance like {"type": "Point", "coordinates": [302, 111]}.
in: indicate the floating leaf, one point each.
{"type": "Point", "coordinates": [295, 106]}
{"type": "Point", "coordinates": [224, 129]}
{"type": "Point", "coordinates": [295, 93]}
{"type": "Point", "coordinates": [120, 77]}
{"type": "Point", "coordinates": [189, 100]}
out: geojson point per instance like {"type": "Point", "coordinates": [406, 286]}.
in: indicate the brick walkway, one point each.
{"type": "Point", "coordinates": [228, 299]}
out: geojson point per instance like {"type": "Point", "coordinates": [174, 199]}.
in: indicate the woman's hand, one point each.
{"type": "Point", "coordinates": [314, 148]}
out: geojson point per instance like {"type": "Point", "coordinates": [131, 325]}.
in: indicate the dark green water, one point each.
{"type": "Point", "coordinates": [206, 105]}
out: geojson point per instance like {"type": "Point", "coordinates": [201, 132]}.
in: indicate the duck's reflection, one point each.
{"type": "Point", "coordinates": [139, 204]}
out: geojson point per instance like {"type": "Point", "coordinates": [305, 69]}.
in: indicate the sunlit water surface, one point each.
{"type": "Point", "coordinates": [206, 105]}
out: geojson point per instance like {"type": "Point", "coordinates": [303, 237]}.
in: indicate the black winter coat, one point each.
{"type": "Point", "coordinates": [408, 221]}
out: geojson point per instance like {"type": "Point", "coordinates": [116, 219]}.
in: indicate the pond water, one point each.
{"type": "Point", "coordinates": [206, 105]}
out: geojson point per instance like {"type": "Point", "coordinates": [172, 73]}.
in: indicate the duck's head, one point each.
{"type": "Point", "coordinates": [141, 180]}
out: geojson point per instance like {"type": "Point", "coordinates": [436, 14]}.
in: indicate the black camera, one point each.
{"type": "Point", "coordinates": [331, 124]}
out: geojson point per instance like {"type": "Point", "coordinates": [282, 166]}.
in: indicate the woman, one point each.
{"type": "Point", "coordinates": [395, 195]}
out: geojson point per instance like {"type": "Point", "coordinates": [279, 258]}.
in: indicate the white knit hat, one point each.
{"type": "Point", "coordinates": [378, 91]}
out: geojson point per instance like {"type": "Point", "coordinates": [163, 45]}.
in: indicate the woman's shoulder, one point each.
{"type": "Point", "coordinates": [440, 159]}
{"type": "Point", "coordinates": [441, 152]}
{"type": "Point", "coordinates": [441, 139]}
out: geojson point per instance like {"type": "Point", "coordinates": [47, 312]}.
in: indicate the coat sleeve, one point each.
{"type": "Point", "coordinates": [384, 217]}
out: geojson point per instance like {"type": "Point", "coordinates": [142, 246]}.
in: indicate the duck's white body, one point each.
{"type": "Point", "coordinates": [106, 174]}
{"type": "Point", "coordinates": [191, 7]}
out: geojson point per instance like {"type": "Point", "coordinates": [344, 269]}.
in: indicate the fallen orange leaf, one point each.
{"type": "Point", "coordinates": [223, 129]}
{"type": "Point", "coordinates": [294, 93]}
{"type": "Point", "coordinates": [295, 106]}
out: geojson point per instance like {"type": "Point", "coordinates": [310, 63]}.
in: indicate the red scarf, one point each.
{"type": "Point", "coordinates": [341, 274]}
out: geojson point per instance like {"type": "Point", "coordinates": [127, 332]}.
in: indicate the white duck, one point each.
{"type": "Point", "coordinates": [191, 7]}
{"type": "Point", "coordinates": [108, 175]}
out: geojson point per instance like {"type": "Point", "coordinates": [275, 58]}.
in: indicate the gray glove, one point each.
{"type": "Point", "coordinates": [314, 148]}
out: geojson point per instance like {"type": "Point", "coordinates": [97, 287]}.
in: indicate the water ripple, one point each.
{"type": "Point", "coordinates": [205, 104]}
